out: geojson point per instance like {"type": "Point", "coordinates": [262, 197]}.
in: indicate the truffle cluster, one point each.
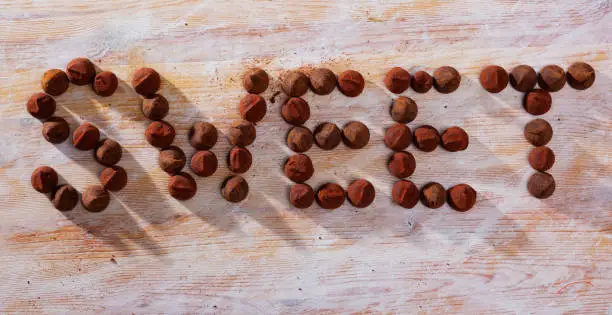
{"type": "Point", "coordinates": [461, 197]}
{"type": "Point", "coordinates": [445, 80]}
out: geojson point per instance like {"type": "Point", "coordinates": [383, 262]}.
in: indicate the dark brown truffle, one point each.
{"type": "Point", "coordinates": [426, 138]}
{"type": "Point", "coordinates": [401, 164]}
{"type": "Point", "coordinates": [113, 178]}
{"type": "Point", "coordinates": [203, 136]}
{"type": "Point", "coordinates": [242, 133]}
{"type": "Point", "coordinates": [541, 185]}
{"type": "Point", "coordinates": [235, 189]}
{"type": "Point", "coordinates": [330, 196]}
{"type": "Point", "coordinates": [294, 83]}
{"type": "Point", "coordinates": [239, 160]}
{"type": "Point", "coordinates": [461, 197]}
{"type": "Point", "coordinates": [295, 111]}
{"type": "Point", "coordinates": [155, 108]}
{"type": "Point", "coordinates": [298, 168]}
{"type": "Point", "coordinates": [405, 193]}
{"type": "Point", "coordinates": [86, 137]}
{"type": "Point", "coordinates": [146, 81]}
{"type": "Point", "coordinates": [397, 80]}
{"type": "Point", "coordinates": [327, 136]}
{"type": "Point", "coordinates": [433, 195]}
{"type": "Point", "coordinates": [56, 130]}
{"type": "Point", "coordinates": [404, 110]}
{"type": "Point", "coordinates": [105, 83]}
{"type": "Point", "coordinates": [299, 139]}
{"type": "Point", "coordinates": [65, 198]}
{"type": "Point", "coordinates": [455, 139]}
{"type": "Point", "coordinates": [351, 83]}
{"type": "Point", "coordinates": [81, 71]}
{"type": "Point", "coordinates": [398, 137]}
{"type": "Point", "coordinates": [160, 134]}
{"type": "Point", "coordinates": [421, 82]}
{"type": "Point", "coordinates": [355, 135]}
{"type": "Point", "coordinates": [301, 196]}
{"type": "Point", "coordinates": [446, 79]}
{"type": "Point", "coordinates": [172, 160]}
{"type": "Point", "coordinates": [551, 78]}
{"type": "Point", "coordinates": [361, 193]}
{"type": "Point", "coordinates": [523, 78]}
{"type": "Point", "coordinates": [538, 132]}
{"type": "Point", "coordinates": [44, 179]}
{"type": "Point", "coordinates": [494, 79]}
{"type": "Point", "coordinates": [95, 198]}
{"type": "Point", "coordinates": [182, 186]}
{"type": "Point", "coordinates": [204, 163]}
{"type": "Point", "coordinates": [55, 82]}
{"type": "Point", "coordinates": [322, 81]}
{"type": "Point", "coordinates": [537, 102]}
{"type": "Point", "coordinates": [252, 108]}
{"type": "Point", "coordinates": [255, 81]}
{"type": "Point", "coordinates": [108, 152]}
{"type": "Point", "coordinates": [41, 105]}
{"type": "Point", "coordinates": [580, 76]}
{"type": "Point", "coordinates": [541, 158]}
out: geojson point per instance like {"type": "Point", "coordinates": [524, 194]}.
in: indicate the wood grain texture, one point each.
{"type": "Point", "coordinates": [149, 253]}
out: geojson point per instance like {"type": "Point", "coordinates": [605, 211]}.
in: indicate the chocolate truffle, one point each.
{"type": "Point", "coordinates": [301, 196]}
{"type": "Point", "coordinates": [537, 102]}
{"type": "Point", "coordinates": [105, 83]}
{"type": "Point", "coordinates": [455, 139]}
{"type": "Point", "coordinates": [65, 198]}
{"type": "Point", "coordinates": [108, 152]}
{"type": "Point", "coordinates": [433, 195]}
{"type": "Point", "coordinates": [203, 136]}
{"type": "Point", "coordinates": [95, 198]}
{"type": "Point", "coordinates": [541, 185]}
{"type": "Point", "coordinates": [404, 110]}
{"type": "Point", "coordinates": [235, 189]}
{"type": "Point", "coordinates": [421, 82]}
{"type": "Point", "coordinates": [398, 137]}
{"type": "Point", "coordinates": [523, 78]}
{"type": "Point", "coordinates": [538, 132]}
{"type": "Point", "coordinates": [252, 108]}
{"type": "Point", "coordinates": [155, 108]}
{"type": "Point", "coordinates": [242, 133]}
{"type": "Point", "coordinates": [113, 178]}
{"type": "Point", "coordinates": [541, 158]}
{"type": "Point", "coordinates": [172, 160]}
{"type": "Point", "coordinates": [322, 81]}
{"type": "Point", "coordinates": [580, 76]}
{"type": "Point", "coordinates": [44, 179]}
{"type": "Point", "coordinates": [56, 130]}
{"type": "Point", "coordinates": [55, 82]}
{"type": "Point", "coordinates": [146, 81]}
{"type": "Point", "coordinates": [551, 78]}
{"type": "Point", "coordinates": [182, 186]}
{"type": "Point", "coordinates": [255, 81]}
{"type": "Point", "coordinates": [239, 160]}
{"type": "Point", "coordinates": [426, 138]}
{"type": "Point", "coordinates": [294, 83]}
{"type": "Point", "coordinates": [81, 71]}
{"type": "Point", "coordinates": [295, 111]}
{"type": "Point", "coordinates": [401, 164]}
{"type": "Point", "coordinates": [160, 134]}
{"type": "Point", "coordinates": [446, 79]}
{"type": "Point", "coordinates": [86, 137]}
{"type": "Point", "coordinates": [361, 193]}
{"type": "Point", "coordinates": [299, 139]}
{"type": "Point", "coordinates": [41, 105]}
{"type": "Point", "coordinates": [397, 80]}
{"type": "Point", "coordinates": [327, 136]}
{"type": "Point", "coordinates": [494, 79]}
{"type": "Point", "coordinates": [298, 168]}
{"type": "Point", "coordinates": [405, 193]}
{"type": "Point", "coordinates": [351, 83]}
{"type": "Point", "coordinates": [461, 197]}
{"type": "Point", "coordinates": [355, 135]}
{"type": "Point", "coordinates": [330, 196]}
{"type": "Point", "coordinates": [204, 163]}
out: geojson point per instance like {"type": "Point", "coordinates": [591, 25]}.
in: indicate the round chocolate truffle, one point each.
{"type": "Point", "coordinates": [301, 196]}
{"type": "Point", "coordinates": [242, 133]}
{"type": "Point", "coordinates": [401, 164]}
{"type": "Point", "coordinates": [255, 81]}
{"type": "Point", "coordinates": [182, 186]}
{"type": "Point", "coordinates": [65, 198]}
{"type": "Point", "coordinates": [455, 139]}
{"type": "Point", "coordinates": [55, 82]}
{"type": "Point", "coordinates": [294, 83]}
{"type": "Point", "coordinates": [108, 152]}
{"type": "Point", "coordinates": [405, 193]}
{"type": "Point", "coordinates": [105, 83]}
{"type": "Point", "coordinates": [155, 108]}
{"type": "Point", "coordinates": [298, 168]}
{"type": "Point", "coordinates": [580, 76]}
{"type": "Point", "coordinates": [327, 136]}
{"type": "Point", "coordinates": [113, 178]}
{"type": "Point", "coordinates": [541, 185]}
{"type": "Point", "coordinates": [56, 130]}
{"type": "Point", "coordinates": [252, 108]}
{"type": "Point", "coordinates": [523, 78]}
{"type": "Point", "coordinates": [235, 189]}
{"type": "Point", "coordinates": [537, 102]}
{"type": "Point", "coordinates": [299, 139]}
{"type": "Point", "coordinates": [146, 81]}
{"type": "Point", "coordinates": [551, 78]}
{"type": "Point", "coordinates": [397, 80]}
{"type": "Point", "coordinates": [421, 82]}
{"type": "Point", "coordinates": [398, 137]}
{"type": "Point", "coordinates": [41, 105]}
{"type": "Point", "coordinates": [86, 137]}
{"type": "Point", "coordinates": [541, 158]}
{"type": "Point", "coordinates": [351, 83]}
{"type": "Point", "coordinates": [239, 160]}
{"type": "Point", "coordinates": [355, 135]}
{"type": "Point", "coordinates": [322, 81]}
{"type": "Point", "coordinates": [538, 132]}
{"type": "Point", "coordinates": [361, 193]}
{"type": "Point", "coordinates": [494, 79]}
{"type": "Point", "coordinates": [204, 163]}
{"type": "Point", "coordinates": [160, 134]}
{"type": "Point", "coordinates": [203, 136]}
{"type": "Point", "coordinates": [404, 110]}
{"type": "Point", "coordinates": [81, 71]}
{"type": "Point", "coordinates": [461, 197]}
{"type": "Point", "coordinates": [446, 79]}
{"type": "Point", "coordinates": [44, 179]}
{"type": "Point", "coordinates": [295, 111]}
{"type": "Point", "coordinates": [95, 198]}
{"type": "Point", "coordinates": [426, 138]}
{"type": "Point", "coordinates": [172, 160]}
{"type": "Point", "coordinates": [433, 195]}
{"type": "Point", "coordinates": [330, 196]}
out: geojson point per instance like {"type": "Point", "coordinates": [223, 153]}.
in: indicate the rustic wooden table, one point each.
{"type": "Point", "coordinates": [148, 253]}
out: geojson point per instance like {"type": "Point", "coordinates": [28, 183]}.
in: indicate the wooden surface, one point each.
{"type": "Point", "coordinates": [148, 253]}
